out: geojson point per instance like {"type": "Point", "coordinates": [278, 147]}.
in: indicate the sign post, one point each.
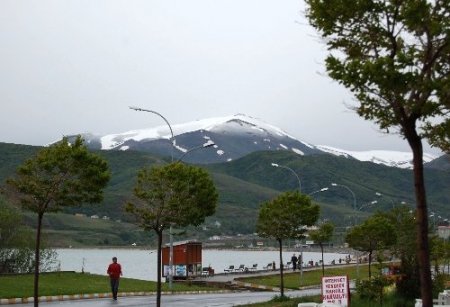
{"type": "Point", "coordinates": [336, 290]}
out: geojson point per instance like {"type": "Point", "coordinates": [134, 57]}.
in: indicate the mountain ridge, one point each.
{"type": "Point", "coordinates": [234, 137]}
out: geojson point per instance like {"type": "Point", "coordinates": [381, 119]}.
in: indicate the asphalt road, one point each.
{"type": "Point", "coordinates": [184, 300]}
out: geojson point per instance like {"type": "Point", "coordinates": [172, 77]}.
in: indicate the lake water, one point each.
{"type": "Point", "coordinates": [141, 264]}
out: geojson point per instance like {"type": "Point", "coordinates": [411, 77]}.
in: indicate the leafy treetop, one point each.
{"type": "Point", "coordinates": [286, 216]}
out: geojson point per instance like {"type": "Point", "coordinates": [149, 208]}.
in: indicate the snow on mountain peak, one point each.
{"type": "Point", "coordinates": [390, 158]}
{"type": "Point", "coordinates": [234, 123]}
{"type": "Point", "coordinates": [261, 135]}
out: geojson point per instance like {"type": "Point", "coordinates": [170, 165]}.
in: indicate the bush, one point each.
{"type": "Point", "coordinates": [372, 289]}
{"type": "Point", "coordinates": [408, 286]}
{"type": "Point", "coordinates": [17, 244]}
{"type": "Point", "coordinates": [439, 284]}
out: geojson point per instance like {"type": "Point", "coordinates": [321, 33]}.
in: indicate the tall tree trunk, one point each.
{"type": "Point", "coordinates": [280, 242]}
{"type": "Point", "coordinates": [423, 253]}
{"type": "Point", "coordinates": [370, 262]}
{"type": "Point", "coordinates": [323, 264]}
{"type": "Point", "coordinates": [37, 260]}
{"type": "Point", "coordinates": [158, 283]}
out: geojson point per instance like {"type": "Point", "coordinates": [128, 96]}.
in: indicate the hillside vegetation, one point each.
{"type": "Point", "coordinates": [243, 185]}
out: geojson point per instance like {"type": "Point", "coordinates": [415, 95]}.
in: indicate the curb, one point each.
{"type": "Point", "coordinates": [69, 297]}
{"type": "Point", "coordinates": [255, 286]}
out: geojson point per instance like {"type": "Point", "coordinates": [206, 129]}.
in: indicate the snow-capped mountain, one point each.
{"type": "Point", "coordinates": [233, 137]}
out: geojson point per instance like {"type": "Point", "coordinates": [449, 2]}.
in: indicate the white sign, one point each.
{"type": "Point", "coordinates": [335, 290]}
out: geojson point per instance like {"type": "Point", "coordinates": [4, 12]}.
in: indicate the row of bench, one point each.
{"type": "Point", "coordinates": [254, 267]}
{"type": "Point", "coordinates": [241, 268]}
{"type": "Point", "coordinates": [208, 271]}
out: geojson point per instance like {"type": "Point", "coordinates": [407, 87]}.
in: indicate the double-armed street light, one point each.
{"type": "Point", "coordinates": [333, 184]}
{"type": "Point", "coordinates": [300, 191]}
{"type": "Point", "coordinates": [172, 141]}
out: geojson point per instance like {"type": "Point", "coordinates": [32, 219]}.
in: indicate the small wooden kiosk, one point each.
{"type": "Point", "coordinates": [187, 259]}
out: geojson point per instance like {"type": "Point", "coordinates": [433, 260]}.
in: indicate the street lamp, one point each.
{"type": "Point", "coordinates": [390, 199]}
{"type": "Point", "coordinates": [346, 187]}
{"type": "Point", "coordinates": [293, 172]}
{"type": "Point", "coordinates": [373, 202]}
{"type": "Point", "coordinates": [433, 215]}
{"type": "Point", "coordinates": [170, 228]}
{"type": "Point", "coordinates": [206, 145]}
{"type": "Point", "coordinates": [300, 191]}
{"type": "Point", "coordinates": [167, 122]}
{"type": "Point", "coordinates": [321, 190]}
{"type": "Point", "coordinates": [354, 208]}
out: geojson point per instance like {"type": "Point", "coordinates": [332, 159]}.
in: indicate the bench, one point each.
{"type": "Point", "coordinates": [241, 268]}
{"type": "Point", "coordinates": [229, 270]}
{"type": "Point", "coordinates": [207, 271]}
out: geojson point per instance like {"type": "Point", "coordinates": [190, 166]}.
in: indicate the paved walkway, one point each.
{"type": "Point", "coordinates": [228, 278]}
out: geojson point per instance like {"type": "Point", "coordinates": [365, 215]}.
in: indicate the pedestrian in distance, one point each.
{"type": "Point", "coordinates": [294, 260]}
{"type": "Point", "coordinates": [114, 272]}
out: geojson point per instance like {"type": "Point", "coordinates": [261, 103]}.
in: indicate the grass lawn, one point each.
{"type": "Point", "coordinates": [313, 277]}
{"type": "Point", "coordinates": [77, 283]}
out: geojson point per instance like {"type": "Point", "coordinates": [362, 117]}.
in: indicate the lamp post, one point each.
{"type": "Point", "coordinates": [354, 208]}
{"type": "Point", "coordinates": [206, 145]}
{"type": "Point", "coordinates": [293, 172]}
{"type": "Point", "coordinates": [170, 228]}
{"type": "Point", "coordinates": [433, 216]}
{"type": "Point", "coordinates": [300, 191]}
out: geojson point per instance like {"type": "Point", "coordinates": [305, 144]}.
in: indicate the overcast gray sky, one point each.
{"type": "Point", "coordinates": [70, 67]}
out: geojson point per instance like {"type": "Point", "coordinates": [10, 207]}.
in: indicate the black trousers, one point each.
{"type": "Point", "coordinates": [114, 286]}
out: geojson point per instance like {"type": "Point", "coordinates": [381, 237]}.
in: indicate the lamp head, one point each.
{"type": "Point", "coordinates": [275, 165]}
{"type": "Point", "coordinates": [209, 144]}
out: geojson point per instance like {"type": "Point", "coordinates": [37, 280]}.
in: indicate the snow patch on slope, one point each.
{"type": "Point", "coordinates": [298, 151]}
{"type": "Point", "coordinates": [390, 158]}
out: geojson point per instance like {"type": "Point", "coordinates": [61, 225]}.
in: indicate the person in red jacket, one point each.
{"type": "Point", "coordinates": [114, 272]}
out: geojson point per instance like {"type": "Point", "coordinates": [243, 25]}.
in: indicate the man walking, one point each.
{"type": "Point", "coordinates": [114, 272]}
{"type": "Point", "coordinates": [294, 260]}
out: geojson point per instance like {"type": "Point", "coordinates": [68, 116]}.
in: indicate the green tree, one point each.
{"type": "Point", "coordinates": [285, 217]}
{"type": "Point", "coordinates": [172, 195]}
{"type": "Point", "coordinates": [394, 57]}
{"type": "Point", "coordinates": [438, 253]}
{"type": "Point", "coordinates": [323, 234]}
{"type": "Point", "coordinates": [60, 175]}
{"type": "Point", "coordinates": [374, 234]}
{"type": "Point", "coordinates": [404, 249]}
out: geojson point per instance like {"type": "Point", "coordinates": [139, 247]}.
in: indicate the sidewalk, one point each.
{"type": "Point", "coordinates": [220, 278]}
{"type": "Point", "coordinates": [56, 298]}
